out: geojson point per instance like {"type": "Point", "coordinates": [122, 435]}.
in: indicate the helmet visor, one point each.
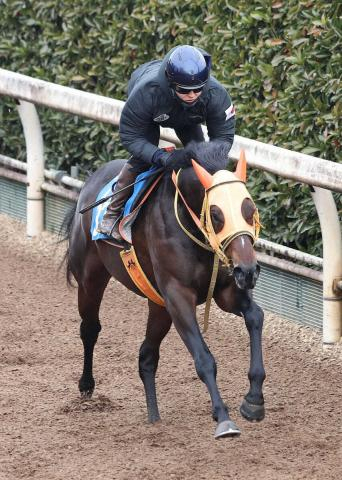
{"type": "Point", "coordinates": [185, 89]}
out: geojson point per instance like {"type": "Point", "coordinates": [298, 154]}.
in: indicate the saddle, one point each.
{"type": "Point", "coordinates": [145, 183]}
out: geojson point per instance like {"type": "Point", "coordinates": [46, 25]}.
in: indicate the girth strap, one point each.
{"type": "Point", "coordinates": [134, 270]}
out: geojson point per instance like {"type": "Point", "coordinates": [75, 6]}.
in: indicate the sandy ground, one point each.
{"type": "Point", "coordinates": [48, 433]}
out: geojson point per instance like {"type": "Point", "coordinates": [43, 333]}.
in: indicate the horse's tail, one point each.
{"type": "Point", "coordinates": [64, 235]}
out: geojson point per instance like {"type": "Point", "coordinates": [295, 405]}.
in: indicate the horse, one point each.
{"type": "Point", "coordinates": [177, 253]}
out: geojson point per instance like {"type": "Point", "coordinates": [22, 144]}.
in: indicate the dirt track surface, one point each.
{"type": "Point", "coordinates": [48, 433]}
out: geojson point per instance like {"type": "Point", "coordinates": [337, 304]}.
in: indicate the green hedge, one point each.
{"type": "Point", "coordinates": [280, 61]}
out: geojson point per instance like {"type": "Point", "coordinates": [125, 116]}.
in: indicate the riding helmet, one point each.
{"type": "Point", "coordinates": [188, 68]}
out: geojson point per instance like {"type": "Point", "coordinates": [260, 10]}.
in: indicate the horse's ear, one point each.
{"type": "Point", "coordinates": [241, 168]}
{"type": "Point", "coordinates": [203, 176]}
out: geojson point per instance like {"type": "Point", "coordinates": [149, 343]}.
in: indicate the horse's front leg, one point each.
{"type": "Point", "coordinates": [181, 304]}
{"type": "Point", "coordinates": [252, 407]}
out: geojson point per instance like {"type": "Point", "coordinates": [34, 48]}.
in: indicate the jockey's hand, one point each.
{"type": "Point", "coordinates": [176, 160]}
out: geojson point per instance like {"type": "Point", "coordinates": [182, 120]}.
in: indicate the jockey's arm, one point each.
{"type": "Point", "coordinates": [138, 133]}
{"type": "Point", "coordinates": [221, 117]}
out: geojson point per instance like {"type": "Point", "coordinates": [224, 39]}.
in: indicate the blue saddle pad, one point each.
{"type": "Point", "coordinates": [100, 210]}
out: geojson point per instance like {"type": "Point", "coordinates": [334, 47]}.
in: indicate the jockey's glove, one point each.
{"type": "Point", "coordinates": [173, 161]}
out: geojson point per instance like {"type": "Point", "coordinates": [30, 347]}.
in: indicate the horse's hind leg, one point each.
{"type": "Point", "coordinates": [90, 293]}
{"type": "Point", "coordinates": [158, 325]}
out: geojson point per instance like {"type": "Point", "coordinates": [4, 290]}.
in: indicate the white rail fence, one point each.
{"type": "Point", "coordinates": [322, 175]}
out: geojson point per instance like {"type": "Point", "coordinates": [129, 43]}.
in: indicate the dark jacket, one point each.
{"type": "Point", "coordinates": [152, 103]}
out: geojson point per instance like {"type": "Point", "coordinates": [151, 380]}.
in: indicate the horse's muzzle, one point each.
{"type": "Point", "coordinates": [246, 276]}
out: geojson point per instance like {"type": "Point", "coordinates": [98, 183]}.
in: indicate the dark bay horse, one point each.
{"type": "Point", "coordinates": [180, 270]}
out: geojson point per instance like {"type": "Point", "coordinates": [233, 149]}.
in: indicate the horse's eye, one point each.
{"type": "Point", "coordinates": [217, 218]}
{"type": "Point", "coordinates": [248, 209]}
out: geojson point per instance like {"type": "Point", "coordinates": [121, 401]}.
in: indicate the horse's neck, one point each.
{"type": "Point", "coordinates": [191, 189]}
{"type": "Point", "coordinates": [193, 194]}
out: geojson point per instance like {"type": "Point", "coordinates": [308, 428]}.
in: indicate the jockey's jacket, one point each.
{"type": "Point", "coordinates": [153, 103]}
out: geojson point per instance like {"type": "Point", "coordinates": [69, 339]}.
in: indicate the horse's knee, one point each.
{"type": "Point", "coordinates": [205, 366]}
{"type": "Point", "coordinates": [254, 317]}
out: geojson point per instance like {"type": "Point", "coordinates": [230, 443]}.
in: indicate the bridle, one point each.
{"type": "Point", "coordinates": [216, 243]}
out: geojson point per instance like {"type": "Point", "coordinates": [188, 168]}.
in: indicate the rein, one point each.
{"type": "Point", "coordinates": [206, 228]}
{"type": "Point", "coordinates": [216, 247]}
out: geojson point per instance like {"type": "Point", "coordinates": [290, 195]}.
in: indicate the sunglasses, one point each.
{"type": "Point", "coordinates": [185, 91]}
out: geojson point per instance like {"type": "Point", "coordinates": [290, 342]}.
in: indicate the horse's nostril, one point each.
{"type": "Point", "coordinates": [239, 277]}
{"type": "Point", "coordinates": [237, 272]}
{"type": "Point", "coordinates": [246, 277]}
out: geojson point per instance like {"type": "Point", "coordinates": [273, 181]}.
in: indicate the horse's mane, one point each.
{"type": "Point", "coordinates": [213, 156]}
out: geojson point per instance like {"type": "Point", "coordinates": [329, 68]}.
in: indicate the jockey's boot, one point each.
{"type": "Point", "coordinates": [111, 219]}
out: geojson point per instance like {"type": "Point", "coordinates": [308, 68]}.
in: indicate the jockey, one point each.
{"type": "Point", "coordinates": [177, 92]}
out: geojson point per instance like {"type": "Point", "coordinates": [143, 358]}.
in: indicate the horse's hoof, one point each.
{"type": "Point", "coordinates": [154, 419]}
{"type": "Point", "coordinates": [226, 429]}
{"type": "Point", "coordinates": [87, 394]}
{"type": "Point", "coordinates": [253, 413]}
{"type": "Point", "coordinates": [86, 387]}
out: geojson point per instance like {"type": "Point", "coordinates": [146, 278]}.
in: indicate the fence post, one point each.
{"type": "Point", "coordinates": [332, 264]}
{"type": "Point", "coordinates": [35, 167]}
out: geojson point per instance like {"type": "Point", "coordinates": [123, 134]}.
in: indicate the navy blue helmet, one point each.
{"type": "Point", "coordinates": [188, 68]}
